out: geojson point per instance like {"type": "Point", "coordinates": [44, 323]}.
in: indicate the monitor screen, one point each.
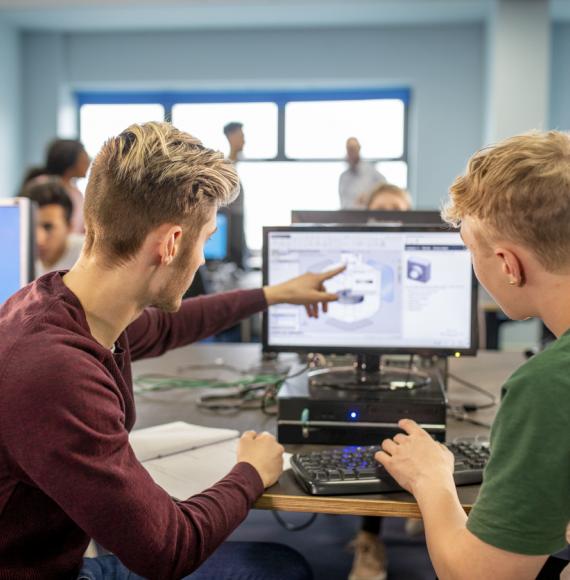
{"type": "Point", "coordinates": [406, 290]}
{"type": "Point", "coordinates": [16, 249]}
{"type": "Point", "coordinates": [217, 246]}
{"type": "Point", "coordinates": [364, 216]}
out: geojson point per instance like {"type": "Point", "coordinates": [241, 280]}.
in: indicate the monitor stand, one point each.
{"type": "Point", "coordinates": [367, 373]}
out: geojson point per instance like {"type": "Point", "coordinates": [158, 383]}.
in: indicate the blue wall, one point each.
{"type": "Point", "coordinates": [10, 119]}
{"type": "Point", "coordinates": [443, 65]}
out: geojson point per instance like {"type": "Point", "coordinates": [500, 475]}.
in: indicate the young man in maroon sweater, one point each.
{"type": "Point", "coordinates": [67, 472]}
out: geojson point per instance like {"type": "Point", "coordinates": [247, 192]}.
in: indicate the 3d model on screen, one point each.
{"type": "Point", "coordinates": [419, 269]}
{"type": "Point", "coordinates": [359, 289]}
{"type": "Point", "coordinates": [347, 296]}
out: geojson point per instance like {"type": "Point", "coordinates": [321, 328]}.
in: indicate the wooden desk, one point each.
{"type": "Point", "coordinates": [488, 369]}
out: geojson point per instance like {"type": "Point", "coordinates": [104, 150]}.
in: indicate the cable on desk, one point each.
{"type": "Point", "coordinates": [269, 398]}
{"type": "Point", "coordinates": [470, 407]}
{"type": "Point", "coordinates": [253, 390]}
{"type": "Point", "coordinates": [292, 527]}
{"type": "Point", "coordinates": [460, 415]}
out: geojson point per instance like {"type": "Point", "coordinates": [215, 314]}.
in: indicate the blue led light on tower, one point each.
{"type": "Point", "coordinates": [353, 415]}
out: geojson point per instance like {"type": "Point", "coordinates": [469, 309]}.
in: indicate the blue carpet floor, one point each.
{"type": "Point", "coordinates": [324, 544]}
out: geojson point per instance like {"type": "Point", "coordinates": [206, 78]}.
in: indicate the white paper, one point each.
{"type": "Point", "coordinates": [186, 459]}
{"type": "Point", "coordinates": [186, 474]}
{"type": "Point", "coordinates": [173, 438]}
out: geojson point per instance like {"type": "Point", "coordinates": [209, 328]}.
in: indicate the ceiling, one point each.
{"type": "Point", "coordinates": [86, 15]}
{"type": "Point", "coordinates": [104, 15]}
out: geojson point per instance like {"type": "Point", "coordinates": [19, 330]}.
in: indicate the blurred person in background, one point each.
{"type": "Point", "coordinates": [358, 179]}
{"type": "Point", "coordinates": [388, 197]}
{"type": "Point", "coordinates": [238, 245]}
{"type": "Point", "coordinates": [67, 159]}
{"type": "Point", "coordinates": [58, 248]}
{"type": "Point", "coordinates": [32, 174]}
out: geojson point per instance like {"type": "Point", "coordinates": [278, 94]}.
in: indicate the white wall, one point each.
{"type": "Point", "coordinates": [443, 65]}
{"type": "Point", "coordinates": [10, 125]}
{"type": "Point", "coordinates": [518, 68]}
{"type": "Point", "coordinates": [560, 75]}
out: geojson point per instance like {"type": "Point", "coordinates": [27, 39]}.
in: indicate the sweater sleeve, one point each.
{"type": "Point", "coordinates": [155, 331]}
{"type": "Point", "coordinates": [79, 455]}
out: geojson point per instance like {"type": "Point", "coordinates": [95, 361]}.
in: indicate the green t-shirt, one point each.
{"type": "Point", "coordinates": [524, 503]}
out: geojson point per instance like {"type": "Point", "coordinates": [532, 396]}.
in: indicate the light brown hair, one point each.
{"type": "Point", "coordinates": [520, 189]}
{"type": "Point", "coordinates": [385, 188]}
{"type": "Point", "coordinates": [152, 174]}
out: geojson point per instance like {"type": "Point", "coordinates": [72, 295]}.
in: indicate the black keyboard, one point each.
{"type": "Point", "coordinates": [349, 470]}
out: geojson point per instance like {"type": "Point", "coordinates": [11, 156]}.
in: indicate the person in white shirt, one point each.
{"type": "Point", "coordinates": [359, 178]}
{"type": "Point", "coordinates": [57, 247]}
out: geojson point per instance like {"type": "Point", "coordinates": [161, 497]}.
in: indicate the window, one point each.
{"type": "Point", "coordinates": [98, 122]}
{"type": "Point", "coordinates": [318, 130]}
{"type": "Point", "coordinates": [207, 121]}
{"type": "Point", "coordinates": [294, 141]}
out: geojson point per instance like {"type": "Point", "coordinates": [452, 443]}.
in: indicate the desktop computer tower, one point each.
{"type": "Point", "coordinates": [312, 414]}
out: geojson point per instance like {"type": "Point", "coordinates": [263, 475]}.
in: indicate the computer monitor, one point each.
{"type": "Point", "coordinates": [217, 247]}
{"type": "Point", "coordinates": [406, 289]}
{"type": "Point", "coordinates": [364, 216]}
{"type": "Point", "coordinates": [16, 245]}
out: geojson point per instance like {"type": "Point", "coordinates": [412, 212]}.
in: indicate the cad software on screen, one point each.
{"type": "Point", "coordinates": [399, 290]}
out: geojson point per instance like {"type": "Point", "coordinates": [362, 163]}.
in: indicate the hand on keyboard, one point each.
{"type": "Point", "coordinates": [415, 459]}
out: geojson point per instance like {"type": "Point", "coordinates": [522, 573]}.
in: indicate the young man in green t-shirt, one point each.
{"type": "Point", "coordinates": [513, 206]}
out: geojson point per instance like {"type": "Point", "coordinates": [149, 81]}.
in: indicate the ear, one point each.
{"type": "Point", "coordinates": [169, 244]}
{"type": "Point", "coordinates": [511, 265]}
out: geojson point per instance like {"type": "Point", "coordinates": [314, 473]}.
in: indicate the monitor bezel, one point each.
{"type": "Point", "coordinates": [366, 216]}
{"type": "Point", "coordinates": [420, 350]}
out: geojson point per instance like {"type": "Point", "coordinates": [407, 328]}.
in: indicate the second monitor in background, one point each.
{"type": "Point", "coordinates": [361, 216]}
{"type": "Point", "coordinates": [228, 243]}
{"type": "Point", "coordinates": [16, 245]}
{"type": "Point", "coordinates": [218, 246]}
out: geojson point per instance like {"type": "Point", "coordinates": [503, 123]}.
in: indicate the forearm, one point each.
{"type": "Point", "coordinates": [156, 332]}
{"type": "Point", "coordinates": [445, 525]}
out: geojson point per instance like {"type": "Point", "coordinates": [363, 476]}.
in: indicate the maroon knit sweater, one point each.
{"type": "Point", "coordinates": [67, 472]}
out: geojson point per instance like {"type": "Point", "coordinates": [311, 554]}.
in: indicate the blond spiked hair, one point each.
{"type": "Point", "coordinates": [520, 190]}
{"type": "Point", "coordinates": [152, 174]}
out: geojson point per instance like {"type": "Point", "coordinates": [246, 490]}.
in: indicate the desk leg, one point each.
{"type": "Point", "coordinates": [491, 331]}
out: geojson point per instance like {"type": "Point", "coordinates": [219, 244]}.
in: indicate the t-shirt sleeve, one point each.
{"type": "Point", "coordinates": [524, 503]}
{"type": "Point", "coordinates": [79, 455]}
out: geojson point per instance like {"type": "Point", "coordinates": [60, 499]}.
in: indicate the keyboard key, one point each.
{"type": "Point", "coordinates": [367, 473]}
{"type": "Point", "coordinates": [348, 473]}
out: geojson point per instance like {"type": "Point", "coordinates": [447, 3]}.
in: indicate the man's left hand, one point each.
{"type": "Point", "coordinates": [307, 289]}
{"type": "Point", "coordinates": [414, 459]}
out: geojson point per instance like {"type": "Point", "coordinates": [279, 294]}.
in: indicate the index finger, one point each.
{"type": "Point", "coordinates": [325, 297]}
{"type": "Point", "coordinates": [409, 426]}
{"type": "Point", "coordinates": [332, 273]}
